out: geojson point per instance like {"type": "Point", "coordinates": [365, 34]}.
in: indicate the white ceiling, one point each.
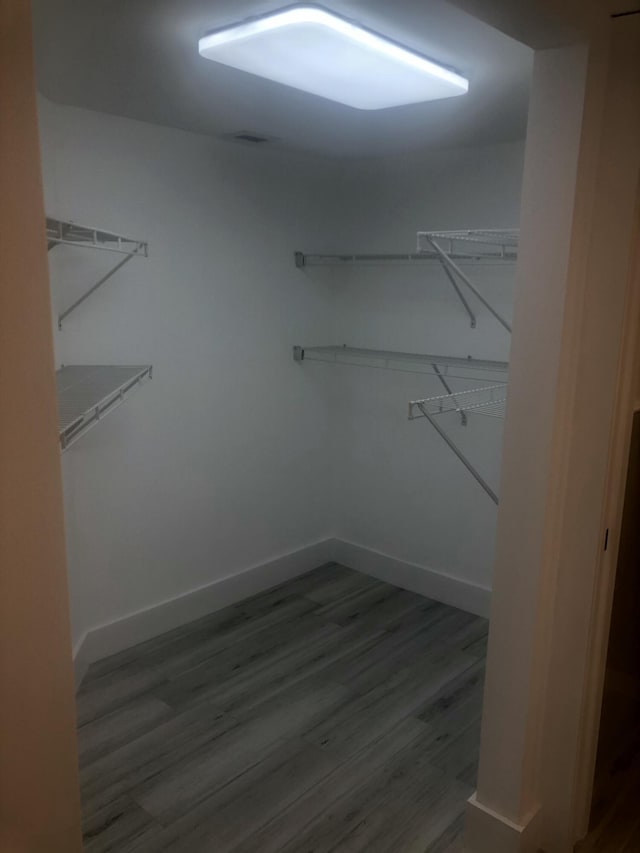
{"type": "Point", "coordinates": [139, 58]}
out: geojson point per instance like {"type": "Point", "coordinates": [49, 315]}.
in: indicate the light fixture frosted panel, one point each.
{"type": "Point", "coordinates": [309, 48]}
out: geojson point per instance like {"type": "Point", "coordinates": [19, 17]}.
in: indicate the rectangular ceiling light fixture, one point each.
{"type": "Point", "coordinates": [310, 48]}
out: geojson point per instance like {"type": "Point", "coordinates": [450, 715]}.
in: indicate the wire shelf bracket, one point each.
{"type": "Point", "coordinates": [65, 233]}
{"type": "Point", "coordinates": [494, 244]}
{"type": "Point", "coordinates": [489, 400]}
{"type": "Point", "coordinates": [447, 388]}
{"type": "Point", "coordinates": [88, 393]}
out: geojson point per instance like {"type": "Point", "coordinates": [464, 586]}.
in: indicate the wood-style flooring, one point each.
{"type": "Point", "coordinates": [332, 713]}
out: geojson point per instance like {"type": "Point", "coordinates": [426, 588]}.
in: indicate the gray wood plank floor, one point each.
{"type": "Point", "coordinates": [333, 713]}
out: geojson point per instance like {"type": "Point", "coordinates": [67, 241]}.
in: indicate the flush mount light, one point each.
{"type": "Point", "coordinates": [310, 48]}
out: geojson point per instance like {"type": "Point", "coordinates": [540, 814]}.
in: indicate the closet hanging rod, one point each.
{"type": "Point", "coordinates": [438, 365]}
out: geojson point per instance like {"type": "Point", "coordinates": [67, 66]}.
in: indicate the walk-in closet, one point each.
{"type": "Point", "coordinates": [282, 289]}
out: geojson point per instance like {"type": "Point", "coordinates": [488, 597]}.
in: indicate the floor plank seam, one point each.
{"type": "Point", "coordinates": [331, 653]}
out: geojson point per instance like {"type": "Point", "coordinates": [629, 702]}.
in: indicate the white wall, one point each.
{"type": "Point", "coordinates": [219, 463]}
{"type": "Point", "coordinates": [397, 488]}
{"type": "Point", "coordinates": [234, 455]}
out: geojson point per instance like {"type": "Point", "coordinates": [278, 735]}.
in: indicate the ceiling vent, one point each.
{"type": "Point", "coordinates": [248, 137]}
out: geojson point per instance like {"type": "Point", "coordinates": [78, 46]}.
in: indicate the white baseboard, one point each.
{"type": "Point", "coordinates": [105, 640]}
{"type": "Point", "coordinates": [486, 831]}
{"type": "Point", "coordinates": [80, 664]}
{"type": "Point", "coordinates": [449, 590]}
{"type": "Point", "coordinates": [113, 637]}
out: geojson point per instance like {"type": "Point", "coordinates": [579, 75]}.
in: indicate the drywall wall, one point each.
{"type": "Point", "coordinates": [234, 455]}
{"type": "Point", "coordinates": [219, 463]}
{"type": "Point", "coordinates": [397, 488]}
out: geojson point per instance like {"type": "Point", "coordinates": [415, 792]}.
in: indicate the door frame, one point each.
{"type": "Point", "coordinates": [626, 405]}
{"type": "Point", "coordinates": [583, 594]}
{"type": "Point", "coordinates": [553, 583]}
{"type": "Point", "coordinates": [39, 789]}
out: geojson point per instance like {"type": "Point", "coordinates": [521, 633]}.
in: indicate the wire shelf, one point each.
{"type": "Point", "coordinates": [489, 401]}
{"type": "Point", "coordinates": [495, 243]}
{"type": "Point", "coordinates": [64, 232]}
{"type": "Point", "coordinates": [87, 393]}
{"type": "Point", "coordinates": [392, 259]}
{"type": "Point", "coordinates": [439, 365]}
{"type": "Point", "coordinates": [450, 249]}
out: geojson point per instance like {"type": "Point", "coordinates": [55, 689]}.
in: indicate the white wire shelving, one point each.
{"type": "Point", "coordinates": [489, 401]}
{"type": "Point", "coordinates": [470, 246]}
{"type": "Point", "coordinates": [88, 393]}
{"type": "Point", "coordinates": [492, 243]}
{"type": "Point", "coordinates": [449, 247]}
{"type": "Point", "coordinates": [443, 366]}
{"type": "Point", "coordinates": [66, 233]}
{"type": "Point", "coordinates": [450, 250]}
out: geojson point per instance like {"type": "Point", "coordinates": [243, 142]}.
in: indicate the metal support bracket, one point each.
{"type": "Point", "coordinates": [455, 269]}
{"type": "Point", "coordinates": [93, 289]}
{"type": "Point", "coordinates": [460, 294]}
{"type": "Point", "coordinates": [463, 415]}
{"type": "Point", "coordinates": [454, 447]}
